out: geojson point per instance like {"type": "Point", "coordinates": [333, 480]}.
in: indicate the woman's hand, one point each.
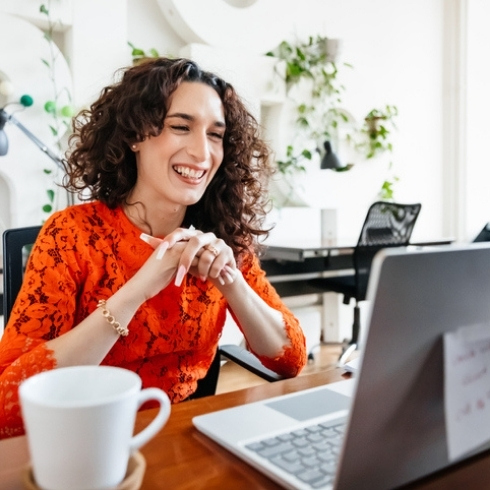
{"type": "Point", "coordinates": [159, 270]}
{"type": "Point", "coordinates": [201, 254]}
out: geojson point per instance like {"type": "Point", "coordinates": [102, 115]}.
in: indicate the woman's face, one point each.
{"type": "Point", "coordinates": [178, 165]}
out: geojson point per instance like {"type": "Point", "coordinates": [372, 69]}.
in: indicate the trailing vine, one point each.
{"type": "Point", "coordinates": [377, 129]}
{"type": "Point", "coordinates": [59, 112]}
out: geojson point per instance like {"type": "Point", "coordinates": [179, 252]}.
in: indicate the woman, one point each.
{"type": "Point", "coordinates": [142, 274]}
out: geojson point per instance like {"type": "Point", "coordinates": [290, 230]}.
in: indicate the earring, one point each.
{"type": "Point", "coordinates": [133, 147]}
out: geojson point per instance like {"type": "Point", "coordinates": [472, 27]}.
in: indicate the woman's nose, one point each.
{"type": "Point", "coordinates": [198, 147]}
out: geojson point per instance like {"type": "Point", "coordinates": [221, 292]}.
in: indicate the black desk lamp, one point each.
{"type": "Point", "coordinates": [26, 101]}
{"type": "Point", "coordinates": [330, 159]}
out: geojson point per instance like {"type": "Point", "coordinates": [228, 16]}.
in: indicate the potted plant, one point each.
{"type": "Point", "coordinates": [377, 129]}
{"type": "Point", "coordinates": [311, 66]}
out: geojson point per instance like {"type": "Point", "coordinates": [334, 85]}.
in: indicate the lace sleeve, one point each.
{"type": "Point", "coordinates": [293, 358]}
{"type": "Point", "coordinates": [43, 310]}
{"type": "Point", "coordinates": [35, 359]}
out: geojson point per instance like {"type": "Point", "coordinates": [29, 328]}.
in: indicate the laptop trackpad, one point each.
{"type": "Point", "coordinates": [310, 405]}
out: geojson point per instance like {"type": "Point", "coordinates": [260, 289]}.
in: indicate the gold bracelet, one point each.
{"type": "Point", "coordinates": [111, 319]}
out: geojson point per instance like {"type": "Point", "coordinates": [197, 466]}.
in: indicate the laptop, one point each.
{"type": "Point", "coordinates": [390, 416]}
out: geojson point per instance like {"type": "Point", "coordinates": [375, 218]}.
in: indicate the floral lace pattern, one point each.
{"type": "Point", "coordinates": [86, 253]}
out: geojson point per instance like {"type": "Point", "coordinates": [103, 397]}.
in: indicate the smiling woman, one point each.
{"type": "Point", "coordinates": [142, 276]}
{"type": "Point", "coordinates": [177, 165]}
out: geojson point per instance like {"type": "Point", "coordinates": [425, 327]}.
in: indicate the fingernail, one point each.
{"type": "Point", "coordinates": [203, 278]}
{"type": "Point", "coordinates": [221, 280]}
{"type": "Point", "coordinates": [180, 275]}
{"type": "Point", "coordinates": [161, 250]}
{"type": "Point", "coordinates": [145, 237]}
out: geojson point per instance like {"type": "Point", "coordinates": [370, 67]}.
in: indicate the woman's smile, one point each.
{"type": "Point", "coordinates": [188, 173]}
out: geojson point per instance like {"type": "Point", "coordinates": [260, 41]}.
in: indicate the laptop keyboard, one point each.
{"type": "Point", "coordinates": [310, 454]}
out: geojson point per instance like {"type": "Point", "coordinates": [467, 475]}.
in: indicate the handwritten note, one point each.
{"type": "Point", "coordinates": [467, 388]}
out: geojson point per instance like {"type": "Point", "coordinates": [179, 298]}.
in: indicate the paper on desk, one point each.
{"type": "Point", "coordinates": [467, 388]}
{"type": "Point", "coordinates": [352, 366]}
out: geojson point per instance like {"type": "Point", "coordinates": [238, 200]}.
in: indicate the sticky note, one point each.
{"type": "Point", "coordinates": [467, 388]}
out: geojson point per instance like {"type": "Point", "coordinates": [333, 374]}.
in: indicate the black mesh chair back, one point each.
{"type": "Point", "coordinates": [16, 247]}
{"type": "Point", "coordinates": [386, 225]}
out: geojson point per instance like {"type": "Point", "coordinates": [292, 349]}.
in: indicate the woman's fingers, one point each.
{"type": "Point", "coordinates": [162, 248]}
{"type": "Point", "coordinates": [181, 235]}
{"type": "Point", "coordinates": [228, 274]}
{"type": "Point", "coordinates": [207, 255]}
{"type": "Point", "coordinates": [151, 240]}
{"type": "Point", "coordinates": [213, 254]}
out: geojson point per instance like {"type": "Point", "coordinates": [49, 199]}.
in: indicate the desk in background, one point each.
{"type": "Point", "coordinates": [290, 265]}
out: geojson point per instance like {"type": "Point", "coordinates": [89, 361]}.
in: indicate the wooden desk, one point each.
{"type": "Point", "coordinates": [180, 457]}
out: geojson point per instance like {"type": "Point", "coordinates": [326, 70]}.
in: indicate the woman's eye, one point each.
{"type": "Point", "coordinates": [217, 135]}
{"type": "Point", "coordinates": [180, 128]}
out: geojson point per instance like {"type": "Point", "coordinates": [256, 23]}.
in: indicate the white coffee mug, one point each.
{"type": "Point", "coordinates": [79, 423]}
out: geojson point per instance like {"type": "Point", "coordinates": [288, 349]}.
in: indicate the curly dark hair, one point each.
{"type": "Point", "coordinates": [102, 166]}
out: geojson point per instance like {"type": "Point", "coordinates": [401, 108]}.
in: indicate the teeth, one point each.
{"type": "Point", "coordinates": [189, 172]}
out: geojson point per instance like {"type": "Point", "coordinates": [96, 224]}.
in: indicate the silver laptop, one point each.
{"type": "Point", "coordinates": [386, 427]}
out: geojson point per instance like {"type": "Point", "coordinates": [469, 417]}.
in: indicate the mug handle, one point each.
{"type": "Point", "coordinates": [157, 423]}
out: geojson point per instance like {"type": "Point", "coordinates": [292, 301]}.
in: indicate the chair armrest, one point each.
{"type": "Point", "coordinates": [247, 360]}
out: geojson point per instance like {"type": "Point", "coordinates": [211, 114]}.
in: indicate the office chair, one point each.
{"type": "Point", "coordinates": [15, 256]}
{"type": "Point", "coordinates": [386, 225]}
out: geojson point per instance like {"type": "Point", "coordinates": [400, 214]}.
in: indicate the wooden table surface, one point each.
{"type": "Point", "coordinates": [180, 457]}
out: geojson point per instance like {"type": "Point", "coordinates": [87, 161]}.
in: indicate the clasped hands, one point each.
{"type": "Point", "coordinates": [201, 254]}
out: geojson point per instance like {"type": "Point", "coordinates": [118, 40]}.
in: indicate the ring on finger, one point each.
{"type": "Point", "coordinates": [212, 249]}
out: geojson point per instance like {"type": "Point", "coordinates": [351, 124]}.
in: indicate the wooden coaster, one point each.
{"type": "Point", "coordinates": [132, 480]}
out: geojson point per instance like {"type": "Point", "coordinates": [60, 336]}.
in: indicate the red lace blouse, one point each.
{"type": "Point", "coordinates": [86, 253]}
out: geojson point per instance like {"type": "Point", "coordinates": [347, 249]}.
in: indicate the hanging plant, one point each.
{"type": "Point", "coordinates": [378, 125]}
{"type": "Point", "coordinates": [318, 113]}
{"type": "Point", "coordinates": [377, 129]}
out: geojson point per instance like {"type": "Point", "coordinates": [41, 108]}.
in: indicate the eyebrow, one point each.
{"type": "Point", "coordinates": [188, 117]}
